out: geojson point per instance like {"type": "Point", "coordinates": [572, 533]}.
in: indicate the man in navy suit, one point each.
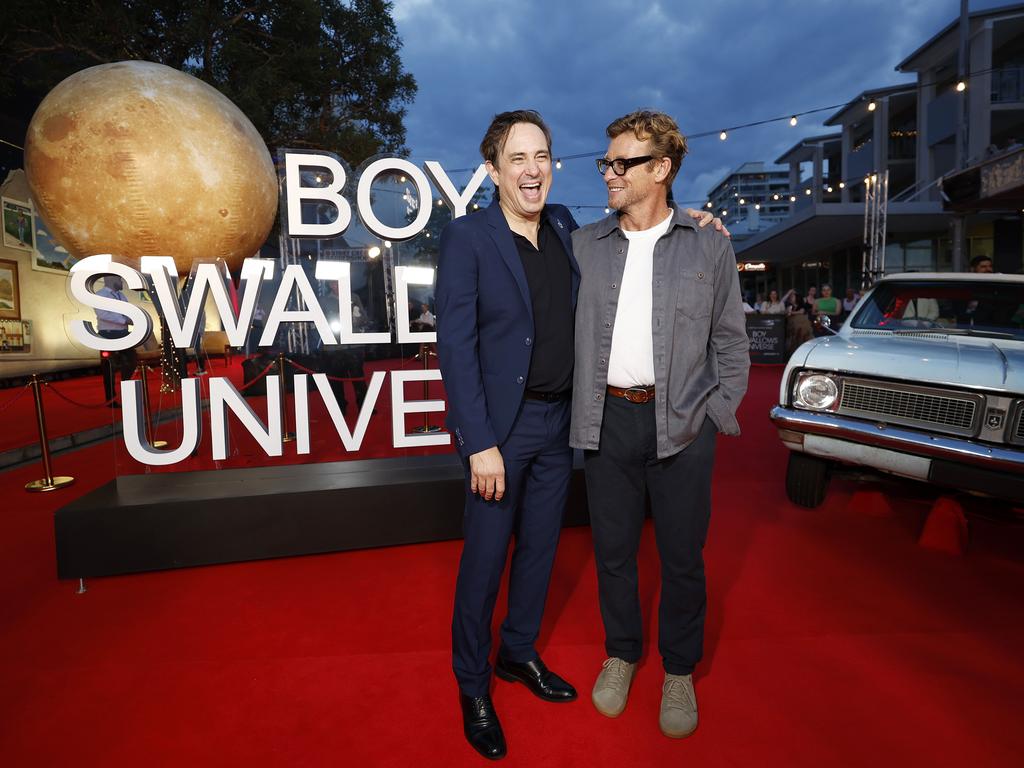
{"type": "Point", "coordinates": [506, 293]}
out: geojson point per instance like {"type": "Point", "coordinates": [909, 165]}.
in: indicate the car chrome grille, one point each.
{"type": "Point", "coordinates": [942, 411]}
{"type": "Point", "coordinates": [1018, 432]}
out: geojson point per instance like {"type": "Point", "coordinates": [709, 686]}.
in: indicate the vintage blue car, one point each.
{"type": "Point", "coordinates": [925, 380]}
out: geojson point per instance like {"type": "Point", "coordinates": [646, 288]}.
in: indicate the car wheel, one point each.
{"type": "Point", "coordinates": [806, 479]}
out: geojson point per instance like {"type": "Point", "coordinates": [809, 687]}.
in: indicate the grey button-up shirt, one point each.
{"type": "Point", "coordinates": [701, 351]}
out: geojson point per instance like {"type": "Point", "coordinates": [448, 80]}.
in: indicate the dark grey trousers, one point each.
{"type": "Point", "coordinates": [619, 475]}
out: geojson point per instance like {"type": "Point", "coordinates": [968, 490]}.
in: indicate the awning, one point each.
{"type": "Point", "coordinates": [994, 183]}
{"type": "Point", "coordinates": [824, 227]}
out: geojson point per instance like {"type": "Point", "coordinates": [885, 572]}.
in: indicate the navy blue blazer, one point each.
{"type": "Point", "coordinates": [485, 323]}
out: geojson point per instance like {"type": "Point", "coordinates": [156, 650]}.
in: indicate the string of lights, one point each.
{"type": "Point", "coordinates": [723, 135]}
{"type": "Point", "coordinates": [779, 196]}
{"type": "Point", "coordinates": [792, 118]}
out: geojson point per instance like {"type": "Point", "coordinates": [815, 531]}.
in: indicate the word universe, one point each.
{"type": "Point", "coordinates": [183, 313]}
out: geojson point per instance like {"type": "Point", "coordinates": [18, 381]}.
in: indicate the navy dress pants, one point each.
{"type": "Point", "coordinates": [538, 465]}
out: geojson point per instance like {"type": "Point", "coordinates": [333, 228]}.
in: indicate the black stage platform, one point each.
{"type": "Point", "coordinates": [166, 520]}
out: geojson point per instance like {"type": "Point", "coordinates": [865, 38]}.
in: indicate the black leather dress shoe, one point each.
{"type": "Point", "coordinates": [538, 678]}
{"type": "Point", "coordinates": [481, 726]}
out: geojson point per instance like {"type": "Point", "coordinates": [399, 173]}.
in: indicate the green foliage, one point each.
{"type": "Point", "coordinates": [308, 73]}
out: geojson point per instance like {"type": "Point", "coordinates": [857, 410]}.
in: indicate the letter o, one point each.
{"type": "Point", "coordinates": [366, 214]}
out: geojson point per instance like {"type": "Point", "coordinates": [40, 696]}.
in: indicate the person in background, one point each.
{"type": "Point", "coordinates": [773, 304]}
{"type": "Point", "coordinates": [426, 318]}
{"type": "Point", "coordinates": [798, 323]}
{"type": "Point", "coordinates": [981, 264]}
{"type": "Point", "coordinates": [114, 325]}
{"type": "Point", "coordinates": [812, 296]}
{"type": "Point", "coordinates": [850, 301]}
{"type": "Point", "coordinates": [759, 302]}
{"type": "Point", "coordinates": [827, 306]}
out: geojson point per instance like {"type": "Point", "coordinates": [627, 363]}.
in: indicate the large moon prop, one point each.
{"type": "Point", "coordinates": [138, 159]}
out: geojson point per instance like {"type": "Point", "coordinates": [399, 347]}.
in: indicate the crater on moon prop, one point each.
{"type": "Point", "coordinates": [139, 159]}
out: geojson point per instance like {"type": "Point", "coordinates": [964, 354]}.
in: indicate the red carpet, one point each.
{"type": "Point", "coordinates": [833, 640]}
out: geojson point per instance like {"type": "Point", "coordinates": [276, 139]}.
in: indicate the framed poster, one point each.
{"type": "Point", "coordinates": [17, 225]}
{"type": "Point", "coordinates": [49, 255]}
{"type": "Point", "coordinates": [10, 301]}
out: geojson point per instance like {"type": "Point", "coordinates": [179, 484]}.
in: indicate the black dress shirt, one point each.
{"type": "Point", "coordinates": [549, 277]}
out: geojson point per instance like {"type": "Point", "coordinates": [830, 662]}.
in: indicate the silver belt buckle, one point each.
{"type": "Point", "coordinates": [636, 395]}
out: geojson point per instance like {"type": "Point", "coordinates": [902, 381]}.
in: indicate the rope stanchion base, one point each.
{"type": "Point", "coordinates": [427, 428]}
{"type": "Point", "coordinates": [49, 484]}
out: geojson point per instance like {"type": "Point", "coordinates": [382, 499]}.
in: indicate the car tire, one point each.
{"type": "Point", "coordinates": [806, 480]}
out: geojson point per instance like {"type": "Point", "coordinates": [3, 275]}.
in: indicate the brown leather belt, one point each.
{"type": "Point", "coordinates": [633, 394]}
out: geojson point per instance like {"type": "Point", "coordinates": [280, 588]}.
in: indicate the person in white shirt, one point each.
{"type": "Point", "coordinates": [850, 301]}
{"type": "Point", "coordinates": [426, 318]}
{"type": "Point", "coordinates": [114, 325]}
{"type": "Point", "coordinates": [773, 305]}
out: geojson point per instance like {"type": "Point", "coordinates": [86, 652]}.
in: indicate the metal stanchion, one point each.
{"type": "Point", "coordinates": [425, 354]}
{"type": "Point", "coordinates": [81, 587]}
{"type": "Point", "coordinates": [49, 482]}
{"type": "Point", "coordinates": [147, 415]}
{"type": "Point", "coordinates": [286, 437]}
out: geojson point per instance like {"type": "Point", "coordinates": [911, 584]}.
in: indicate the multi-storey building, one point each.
{"type": "Point", "coordinates": [920, 133]}
{"type": "Point", "coordinates": [751, 198]}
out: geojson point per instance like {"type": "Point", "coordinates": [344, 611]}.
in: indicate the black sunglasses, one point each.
{"type": "Point", "coordinates": [620, 165]}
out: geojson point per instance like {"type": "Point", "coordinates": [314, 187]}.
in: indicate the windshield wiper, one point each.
{"type": "Point", "coordinates": [958, 331]}
{"type": "Point", "coordinates": [993, 334]}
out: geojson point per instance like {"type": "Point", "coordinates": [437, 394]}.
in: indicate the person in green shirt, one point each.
{"type": "Point", "coordinates": [829, 305]}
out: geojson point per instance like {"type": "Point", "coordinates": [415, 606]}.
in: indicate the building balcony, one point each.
{"type": "Point", "coordinates": [1008, 85]}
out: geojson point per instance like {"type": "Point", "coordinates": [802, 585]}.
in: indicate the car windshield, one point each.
{"type": "Point", "coordinates": [977, 308]}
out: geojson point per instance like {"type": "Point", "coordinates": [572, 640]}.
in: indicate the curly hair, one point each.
{"type": "Point", "coordinates": [658, 128]}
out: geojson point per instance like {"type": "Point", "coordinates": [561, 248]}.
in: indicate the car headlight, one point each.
{"type": "Point", "coordinates": [816, 392]}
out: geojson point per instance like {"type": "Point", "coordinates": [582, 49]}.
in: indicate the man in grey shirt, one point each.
{"type": "Point", "coordinates": [661, 366]}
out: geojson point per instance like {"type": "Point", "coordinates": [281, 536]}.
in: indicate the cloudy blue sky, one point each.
{"type": "Point", "coordinates": [710, 65]}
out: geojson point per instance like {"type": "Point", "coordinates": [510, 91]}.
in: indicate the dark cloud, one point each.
{"type": "Point", "coordinates": [710, 65]}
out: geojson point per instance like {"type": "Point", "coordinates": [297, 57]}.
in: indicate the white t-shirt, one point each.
{"type": "Point", "coordinates": [631, 360]}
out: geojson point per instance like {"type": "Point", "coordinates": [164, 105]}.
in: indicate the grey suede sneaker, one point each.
{"type": "Point", "coordinates": [612, 686]}
{"type": "Point", "coordinates": [678, 717]}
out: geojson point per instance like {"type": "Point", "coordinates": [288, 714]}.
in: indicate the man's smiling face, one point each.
{"type": "Point", "coordinates": [523, 174]}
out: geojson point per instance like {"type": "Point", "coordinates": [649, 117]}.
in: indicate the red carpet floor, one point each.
{"type": "Point", "coordinates": [833, 640]}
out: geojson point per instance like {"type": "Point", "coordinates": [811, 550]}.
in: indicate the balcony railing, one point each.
{"type": "Point", "coordinates": [1008, 85]}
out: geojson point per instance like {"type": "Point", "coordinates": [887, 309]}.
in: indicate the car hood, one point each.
{"type": "Point", "coordinates": [972, 362]}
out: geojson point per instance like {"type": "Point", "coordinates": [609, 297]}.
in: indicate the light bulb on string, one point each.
{"type": "Point", "coordinates": [871, 105]}
{"type": "Point", "coordinates": [723, 136]}
{"type": "Point", "coordinates": [842, 185]}
{"type": "Point", "coordinates": [961, 87]}
{"type": "Point", "coordinates": [558, 164]}
{"type": "Point", "coordinates": [792, 120]}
